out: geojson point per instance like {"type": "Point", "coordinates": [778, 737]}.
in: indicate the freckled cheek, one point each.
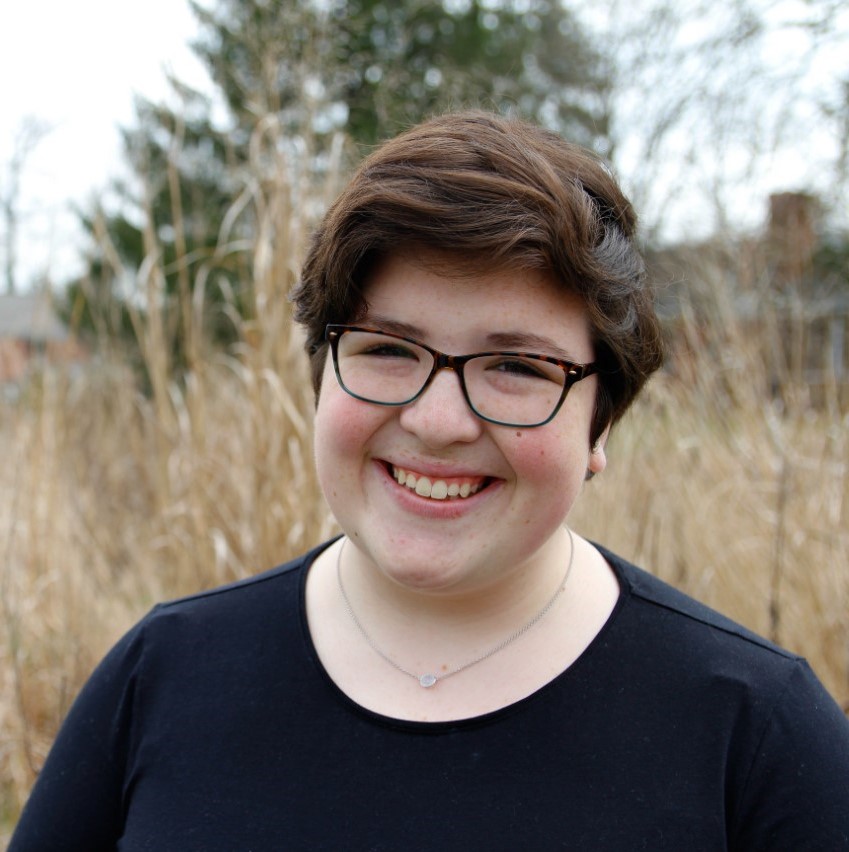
{"type": "Point", "coordinates": [549, 472]}
{"type": "Point", "coordinates": [343, 429]}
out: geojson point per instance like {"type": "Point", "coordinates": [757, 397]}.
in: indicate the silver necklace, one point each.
{"type": "Point", "coordinates": [428, 679]}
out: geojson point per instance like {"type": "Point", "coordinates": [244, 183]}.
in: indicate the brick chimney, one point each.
{"type": "Point", "coordinates": [792, 235]}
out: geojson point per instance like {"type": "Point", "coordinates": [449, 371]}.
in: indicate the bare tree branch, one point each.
{"type": "Point", "coordinates": [30, 133]}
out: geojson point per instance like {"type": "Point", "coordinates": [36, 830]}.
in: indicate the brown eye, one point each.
{"type": "Point", "coordinates": [389, 350]}
{"type": "Point", "coordinates": [518, 368]}
{"type": "Point", "coordinates": [525, 368]}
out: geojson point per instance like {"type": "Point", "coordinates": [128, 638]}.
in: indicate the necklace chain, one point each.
{"type": "Point", "coordinates": [428, 679]}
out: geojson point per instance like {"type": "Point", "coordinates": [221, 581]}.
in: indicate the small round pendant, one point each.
{"type": "Point", "coordinates": [427, 680]}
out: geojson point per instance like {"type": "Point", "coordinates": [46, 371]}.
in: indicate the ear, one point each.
{"type": "Point", "coordinates": [598, 458]}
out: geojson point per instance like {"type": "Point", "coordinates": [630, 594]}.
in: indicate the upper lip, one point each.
{"type": "Point", "coordinates": [437, 469]}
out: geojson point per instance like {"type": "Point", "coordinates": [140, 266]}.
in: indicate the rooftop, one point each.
{"type": "Point", "coordinates": [31, 317]}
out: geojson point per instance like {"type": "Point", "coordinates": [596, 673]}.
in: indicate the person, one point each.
{"type": "Point", "coordinates": [459, 670]}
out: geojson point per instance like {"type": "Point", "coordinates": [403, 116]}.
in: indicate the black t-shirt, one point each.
{"type": "Point", "coordinates": [213, 726]}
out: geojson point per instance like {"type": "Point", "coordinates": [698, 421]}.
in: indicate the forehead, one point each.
{"type": "Point", "coordinates": [452, 303]}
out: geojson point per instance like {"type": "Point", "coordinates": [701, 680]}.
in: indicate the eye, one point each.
{"type": "Point", "coordinates": [388, 349]}
{"type": "Point", "coordinates": [372, 346]}
{"type": "Point", "coordinates": [521, 368]}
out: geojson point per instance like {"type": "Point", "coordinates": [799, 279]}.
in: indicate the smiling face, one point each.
{"type": "Point", "coordinates": [437, 499]}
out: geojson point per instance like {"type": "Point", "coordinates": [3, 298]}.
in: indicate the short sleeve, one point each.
{"type": "Point", "coordinates": [797, 794]}
{"type": "Point", "coordinates": [77, 802]}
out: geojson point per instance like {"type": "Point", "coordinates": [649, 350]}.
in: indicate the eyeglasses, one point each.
{"type": "Point", "coordinates": [506, 388]}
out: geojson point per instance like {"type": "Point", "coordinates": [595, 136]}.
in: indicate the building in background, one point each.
{"type": "Point", "coordinates": [31, 333]}
{"type": "Point", "coordinates": [783, 293]}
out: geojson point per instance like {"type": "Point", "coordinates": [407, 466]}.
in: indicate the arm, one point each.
{"type": "Point", "coordinates": [797, 794]}
{"type": "Point", "coordinates": [77, 802]}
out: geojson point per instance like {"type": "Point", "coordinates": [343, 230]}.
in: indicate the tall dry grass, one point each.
{"type": "Point", "coordinates": [730, 478]}
{"type": "Point", "coordinates": [112, 499]}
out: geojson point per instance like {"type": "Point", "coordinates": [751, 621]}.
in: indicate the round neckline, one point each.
{"type": "Point", "coordinates": [448, 725]}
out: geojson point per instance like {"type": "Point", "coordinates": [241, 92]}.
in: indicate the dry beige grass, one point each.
{"type": "Point", "coordinates": [111, 500]}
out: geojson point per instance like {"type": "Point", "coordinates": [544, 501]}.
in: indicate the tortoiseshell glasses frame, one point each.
{"type": "Point", "coordinates": [383, 368]}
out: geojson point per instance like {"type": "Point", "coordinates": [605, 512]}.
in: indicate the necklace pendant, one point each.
{"type": "Point", "coordinates": [427, 680]}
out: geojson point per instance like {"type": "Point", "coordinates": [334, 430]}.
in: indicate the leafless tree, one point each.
{"type": "Point", "coordinates": [711, 100]}
{"type": "Point", "coordinates": [30, 132]}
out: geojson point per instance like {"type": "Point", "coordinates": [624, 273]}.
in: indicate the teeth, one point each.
{"type": "Point", "coordinates": [437, 489]}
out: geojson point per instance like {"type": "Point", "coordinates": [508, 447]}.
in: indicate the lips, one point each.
{"type": "Point", "coordinates": [438, 488]}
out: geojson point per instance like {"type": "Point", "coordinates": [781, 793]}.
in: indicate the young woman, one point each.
{"type": "Point", "coordinates": [459, 670]}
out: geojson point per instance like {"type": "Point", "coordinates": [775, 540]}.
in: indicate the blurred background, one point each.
{"type": "Point", "coordinates": [161, 167]}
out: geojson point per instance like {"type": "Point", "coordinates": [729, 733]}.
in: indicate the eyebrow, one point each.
{"type": "Point", "coordinates": [526, 341]}
{"type": "Point", "coordinates": [403, 329]}
{"type": "Point", "coordinates": [516, 341]}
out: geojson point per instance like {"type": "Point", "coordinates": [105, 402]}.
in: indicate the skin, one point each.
{"type": "Point", "coordinates": [507, 542]}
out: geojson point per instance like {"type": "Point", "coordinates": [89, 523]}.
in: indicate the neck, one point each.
{"type": "Point", "coordinates": [447, 617]}
{"type": "Point", "coordinates": [441, 634]}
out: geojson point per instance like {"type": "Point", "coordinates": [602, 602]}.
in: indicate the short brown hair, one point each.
{"type": "Point", "coordinates": [509, 194]}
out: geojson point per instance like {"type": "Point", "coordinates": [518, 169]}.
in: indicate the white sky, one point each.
{"type": "Point", "coordinates": [76, 66]}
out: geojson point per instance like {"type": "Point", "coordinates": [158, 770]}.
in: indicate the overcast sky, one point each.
{"type": "Point", "coordinates": [75, 66]}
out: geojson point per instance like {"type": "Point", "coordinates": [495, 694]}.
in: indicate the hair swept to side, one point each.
{"type": "Point", "coordinates": [499, 192]}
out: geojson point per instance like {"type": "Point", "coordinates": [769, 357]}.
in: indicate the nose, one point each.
{"type": "Point", "coordinates": [441, 416]}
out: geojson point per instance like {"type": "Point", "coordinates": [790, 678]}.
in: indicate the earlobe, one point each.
{"type": "Point", "coordinates": [598, 461]}
{"type": "Point", "coordinates": [598, 458]}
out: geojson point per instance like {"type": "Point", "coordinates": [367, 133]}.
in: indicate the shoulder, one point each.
{"type": "Point", "coordinates": [785, 739]}
{"type": "Point", "coordinates": [660, 605]}
{"type": "Point", "coordinates": [683, 652]}
{"type": "Point", "coordinates": [690, 654]}
{"type": "Point", "coordinates": [269, 592]}
{"type": "Point", "coordinates": [236, 624]}
{"type": "Point", "coordinates": [234, 634]}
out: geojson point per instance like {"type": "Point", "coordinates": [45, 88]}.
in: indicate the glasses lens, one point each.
{"type": "Point", "coordinates": [381, 368]}
{"type": "Point", "coordinates": [515, 389]}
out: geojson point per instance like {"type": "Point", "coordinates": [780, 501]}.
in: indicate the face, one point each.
{"type": "Point", "coordinates": [521, 483]}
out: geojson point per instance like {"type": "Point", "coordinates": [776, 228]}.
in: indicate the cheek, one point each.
{"type": "Point", "coordinates": [549, 469]}
{"type": "Point", "coordinates": [343, 427]}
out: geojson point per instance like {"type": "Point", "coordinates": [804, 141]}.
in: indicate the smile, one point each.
{"type": "Point", "coordinates": [438, 489]}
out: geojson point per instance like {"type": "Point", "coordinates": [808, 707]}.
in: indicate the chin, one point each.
{"type": "Point", "coordinates": [420, 567]}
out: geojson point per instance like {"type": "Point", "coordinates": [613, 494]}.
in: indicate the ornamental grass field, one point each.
{"type": "Point", "coordinates": [728, 478]}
